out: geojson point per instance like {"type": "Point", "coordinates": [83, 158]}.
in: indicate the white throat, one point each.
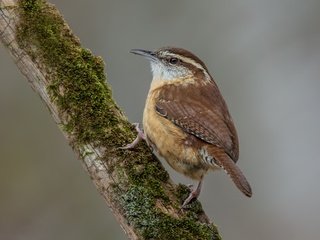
{"type": "Point", "coordinates": [167, 73]}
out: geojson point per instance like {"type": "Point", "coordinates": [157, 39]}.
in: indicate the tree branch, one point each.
{"type": "Point", "coordinates": [72, 83]}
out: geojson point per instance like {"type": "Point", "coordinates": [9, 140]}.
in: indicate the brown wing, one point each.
{"type": "Point", "coordinates": [202, 112]}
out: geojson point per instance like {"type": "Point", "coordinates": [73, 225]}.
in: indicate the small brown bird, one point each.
{"type": "Point", "coordinates": [186, 120]}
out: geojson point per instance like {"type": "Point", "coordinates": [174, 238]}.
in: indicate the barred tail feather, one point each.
{"type": "Point", "coordinates": [224, 161]}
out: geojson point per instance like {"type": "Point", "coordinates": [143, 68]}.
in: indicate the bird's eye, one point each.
{"type": "Point", "coordinates": [173, 60]}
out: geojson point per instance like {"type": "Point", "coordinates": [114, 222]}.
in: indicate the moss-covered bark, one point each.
{"type": "Point", "coordinates": [76, 83]}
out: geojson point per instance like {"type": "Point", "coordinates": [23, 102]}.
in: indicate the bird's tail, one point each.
{"type": "Point", "coordinates": [224, 161]}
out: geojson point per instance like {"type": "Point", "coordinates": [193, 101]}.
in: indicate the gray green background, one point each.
{"type": "Point", "coordinates": [264, 56]}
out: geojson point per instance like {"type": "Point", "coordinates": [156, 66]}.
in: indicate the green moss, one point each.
{"type": "Point", "coordinates": [77, 84]}
{"type": "Point", "coordinates": [31, 6]}
{"type": "Point", "coordinates": [149, 173]}
{"type": "Point", "coordinates": [147, 178]}
{"type": "Point", "coordinates": [155, 224]}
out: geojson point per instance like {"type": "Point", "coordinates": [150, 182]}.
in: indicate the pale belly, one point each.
{"type": "Point", "coordinates": [169, 141]}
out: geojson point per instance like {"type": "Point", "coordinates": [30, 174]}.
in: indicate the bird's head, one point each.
{"type": "Point", "coordinates": [170, 63]}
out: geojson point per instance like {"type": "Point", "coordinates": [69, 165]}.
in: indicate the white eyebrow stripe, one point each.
{"type": "Point", "coordinates": [191, 61]}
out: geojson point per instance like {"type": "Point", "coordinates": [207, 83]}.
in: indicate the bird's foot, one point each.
{"type": "Point", "coordinates": [140, 136]}
{"type": "Point", "coordinates": [194, 194]}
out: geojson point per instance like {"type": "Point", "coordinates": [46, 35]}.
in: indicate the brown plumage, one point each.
{"type": "Point", "coordinates": [187, 121]}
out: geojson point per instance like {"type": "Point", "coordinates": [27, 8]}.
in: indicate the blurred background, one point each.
{"type": "Point", "coordinates": [264, 55]}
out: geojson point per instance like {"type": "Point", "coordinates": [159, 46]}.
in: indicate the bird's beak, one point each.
{"type": "Point", "coordinates": [145, 53]}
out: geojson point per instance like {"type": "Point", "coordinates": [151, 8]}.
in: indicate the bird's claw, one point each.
{"type": "Point", "coordinates": [140, 136]}
{"type": "Point", "coordinates": [194, 194]}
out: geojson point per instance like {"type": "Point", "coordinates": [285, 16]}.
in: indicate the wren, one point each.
{"type": "Point", "coordinates": [186, 120]}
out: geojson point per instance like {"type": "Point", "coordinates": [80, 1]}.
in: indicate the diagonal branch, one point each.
{"type": "Point", "coordinates": [72, 83]}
